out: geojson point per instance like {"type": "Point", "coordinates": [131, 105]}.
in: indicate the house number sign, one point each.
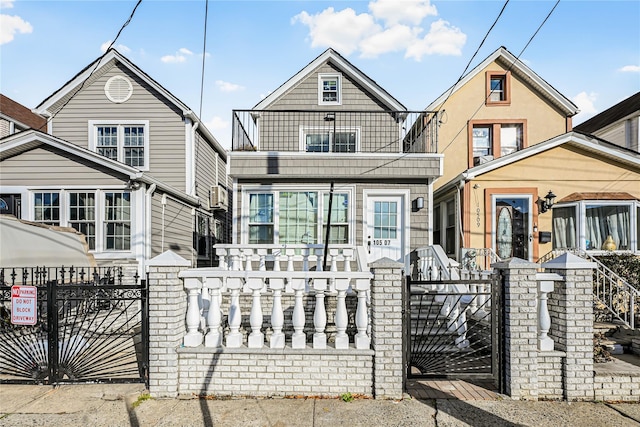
{"type": "Point", "coordinates": [381, 242]}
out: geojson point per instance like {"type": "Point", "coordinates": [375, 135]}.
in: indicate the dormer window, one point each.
{"type": "Point", "coordinates": [329, 89]}
{"type": "Point", "coordinates": [498, 88]}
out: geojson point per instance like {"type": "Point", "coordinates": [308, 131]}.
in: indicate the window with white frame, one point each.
{"type": "Point", "coordinates": [82, 215]}
{"type": "Point", "coordinates": [298, 217]}
{"type": "Point", "coordinates": [336, 140]}
{"type": "Point", "coordinates": [329, 89]}
{"type": "Point", "coordinates": [117, 221]}
{"type": "Point", "coordinates": [123, 141]}
{"type": "Point", "coordinates": [46, 207]}
{"type": "Point", "coordinates": [588, 223]}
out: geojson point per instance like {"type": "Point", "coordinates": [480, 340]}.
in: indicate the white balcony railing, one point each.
{"type": "Point", "coordinates": [267, 273]}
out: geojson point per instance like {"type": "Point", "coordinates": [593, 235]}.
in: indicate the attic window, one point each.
{"type": "Point", "coordinates": [118, 89]}
{"type": "Point", "coordinates": [329, 89]}
{"type": "Point", "coordinates": [498, 88]}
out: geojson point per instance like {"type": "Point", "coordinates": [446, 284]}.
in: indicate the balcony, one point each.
{"type": "Point", "coordinates": [325, 131]}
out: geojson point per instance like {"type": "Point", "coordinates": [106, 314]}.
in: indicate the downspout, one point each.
{"type": "Point", "coordinates": [164, 205]}
{"type": "Point", "coordinates": [147, 214]}
{"type": "Point", "coordinates": [459, 218]}
{"type": "Point", "coordinates": [194, 153]}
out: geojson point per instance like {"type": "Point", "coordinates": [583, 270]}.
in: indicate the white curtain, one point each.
{"type": "Point", "coordinates": [564, 228]}
{"type": "Point", "coordinates": [603, 221]}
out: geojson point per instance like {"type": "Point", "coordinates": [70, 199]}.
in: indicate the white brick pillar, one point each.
{"type": "Point", "coordinates": [386, 329]}
{"type": "Point", "coordinates": [167, 312]}
{"type": "Point", "coordinates": [520, 320]}
{"type": "Point", "coordinates": [572, 322]}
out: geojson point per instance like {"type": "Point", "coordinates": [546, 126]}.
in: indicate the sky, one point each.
{"type": "Point", "coordinates": [415, 49]}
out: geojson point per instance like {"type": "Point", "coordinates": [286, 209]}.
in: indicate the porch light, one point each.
{"type": "Point", "coordinates": [419, 203]}
{"type": "Point", "coordinates": [329, 117]}
{"type": "Point", "coordinates": [546, 203]}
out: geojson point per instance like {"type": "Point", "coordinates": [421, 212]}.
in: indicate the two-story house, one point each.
{"type": "Point", "coordinates": [510, 153]}
{"type": "Point", "coordinates": [322, 160]}
{"type": "Point", "coordinates": [123, 161]}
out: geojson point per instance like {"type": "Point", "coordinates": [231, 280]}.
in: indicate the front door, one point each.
{"type": "Point", "coordinates": [384, 235]}
{"type": "Point", "coordinates": [10, 204]}
{"type": "Point", "coordinates": [512, 226]}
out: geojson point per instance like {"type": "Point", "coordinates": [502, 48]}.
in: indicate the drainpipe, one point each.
{"type": "Point", "coordinates": [147, 219]}
{"type": "Point", "coordinates": [192, 177]}
{"type": "Point", "coordinates": [459, 220]}
{"type": "Point", "coordinates": [164, 205]}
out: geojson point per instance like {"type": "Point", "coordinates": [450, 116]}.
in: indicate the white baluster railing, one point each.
{"type": "Point", "coordinates": [256, 272]}
{"type": "Point", "coordinates": [545, 286]}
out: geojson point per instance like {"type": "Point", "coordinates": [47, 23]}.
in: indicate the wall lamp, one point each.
{"type": "Point", "coordinates": [418, 203]}
{"type": "Point", "coordinates": [330, 117]}
{"type": "Point", "coordinates": [546, 203]}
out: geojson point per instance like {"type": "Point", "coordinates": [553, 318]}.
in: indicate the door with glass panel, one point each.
{"type": "Point", "coordinates": [512, 226]}
{"type": "Point", "coordinates": [383, 232]}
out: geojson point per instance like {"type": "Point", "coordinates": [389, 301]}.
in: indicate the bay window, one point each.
{"type": "Point", "coordinates": [587, 224]}
{"type": "Point", "coordinates": [297, 217]}
{"type": "Point", "coordinates": [117, 221]}
{"type": "Point", "coordinates": [82, 215]}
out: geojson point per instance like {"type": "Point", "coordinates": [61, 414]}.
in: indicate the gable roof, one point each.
{"type": "Point", "coordinates": [105, 60]}
{"type": "Point", "coordinates": [18, 113]}
{"type": "Point", "coordinates": [583, 142]}
{"type": "Point", "coordinates": [518, 68]}
{"type": "Point", "coordinates": [346, 67]}
{"type": "Point", "coordinates": [21, 142]}
{"type": "Point", "coordinates": [611, 115]}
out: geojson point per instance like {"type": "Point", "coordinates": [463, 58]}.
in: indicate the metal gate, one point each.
{"type": "Point", "coordinates": [453, 327]}
{"type": "Point", "coordinates": [91, 326]}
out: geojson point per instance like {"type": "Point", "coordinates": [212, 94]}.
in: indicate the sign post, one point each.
{"type": "Point", "coordinates": [23, 305]}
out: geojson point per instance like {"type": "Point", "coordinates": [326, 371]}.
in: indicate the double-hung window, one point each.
{"type": "Point", "coordinates": [82, 215]}
{"type": "Point", "coordinates": [117, 221]}
{"type": "Point", "coordinates": [329, 89]}
{"type": "Point", "coordinates": [324, 140]}
{"type": "Point", "coordinates": [489, 140]}
{"type": "Point", "coordinates": [124, 141]}
{"type": "Point", "coordinates": [498, 88]}
{"type": "Point", "coordinates": [46, 207]}
{"type": "Point", "coordinates": [298, 217]}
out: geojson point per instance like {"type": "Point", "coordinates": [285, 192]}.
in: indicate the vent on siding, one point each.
{"type": "Point", "coordinates": [118, 89]}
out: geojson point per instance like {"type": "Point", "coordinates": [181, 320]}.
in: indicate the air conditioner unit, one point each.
{"type": "Point", "coordinates": [219, 198]}
{"type": "Point", "coordinates": [480, 160]}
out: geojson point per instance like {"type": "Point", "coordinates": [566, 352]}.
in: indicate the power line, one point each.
{"type": "Point", "coordinates": [517, 58]}
{"type": "Point", "coordinates": [204, 55]}
{"type": "Point", "coordinates": [98, 61]}
{"type": "Point", "coordinates": [474, 55]}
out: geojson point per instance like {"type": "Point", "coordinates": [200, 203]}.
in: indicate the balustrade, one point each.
{"type": "Point", "coordinates": [256, 271]}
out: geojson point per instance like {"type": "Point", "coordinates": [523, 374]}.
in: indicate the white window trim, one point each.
{"type": "Point", "coordinates": [581, 223]}
{"type": "Point", "coordinates": [275, 190]}
{"type": "Point", "coordinates": [325, 76]}
{"type": "Point", "coordinates": [93, 137]}
{"type": "Point", "coordinates": [304, 130]}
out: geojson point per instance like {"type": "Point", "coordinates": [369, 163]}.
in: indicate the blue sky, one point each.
{"type": "Point", "coordinates": [415, 49]}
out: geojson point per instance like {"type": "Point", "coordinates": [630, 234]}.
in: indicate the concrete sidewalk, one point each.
{"type": "Point", "coordinates": [121, 405]}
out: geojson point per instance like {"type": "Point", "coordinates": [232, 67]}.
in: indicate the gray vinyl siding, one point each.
{"type": "Point", "coordinates": [378, 132]}
{"type": "Point", "coordinates": [43, 167]}
{"type": "Point", "coordinates": [4, 128]}
{"type": "Point", "coordinates": [205, 167]}
{"type": "Point", "coordinates": [166, 126]}
{"type": "Point", "coordinates": [308, 166]}
{"type": "Point", "coordinates": [178, 228]}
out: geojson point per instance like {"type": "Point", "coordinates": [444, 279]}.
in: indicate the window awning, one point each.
{"type": "Point", "coordinates": [576, 197]}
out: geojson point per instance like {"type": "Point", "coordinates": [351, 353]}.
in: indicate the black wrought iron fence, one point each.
{"type": "Point", "coordinates": [91, 325]}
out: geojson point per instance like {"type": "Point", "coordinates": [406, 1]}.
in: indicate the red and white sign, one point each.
{"type": "Point", "coordinates": [23, 305]}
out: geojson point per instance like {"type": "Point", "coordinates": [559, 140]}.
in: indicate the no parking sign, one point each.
{"type": "Point", "coordinates": [23, 305]}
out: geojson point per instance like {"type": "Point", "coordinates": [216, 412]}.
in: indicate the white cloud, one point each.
{"type": "Point", "coordinates": [217, 123]}
{"type": "Point", "coordinates": [10, 25]}
{"type": "Point", "coordinates": [630, 69]}
{"type": "Point", "coordinates": [348, 32]}
{"type": "Point", "coordinates": [120, 47]}
{"type": "Point", "coordinates": [228, 87]}
{"type": "Point", "coordinates": [343, 30]}
{"type": "Point", "coordinates": [178, 57]}
{"type": "Point", "coordinates": [393, 39]}
{"type": "Point", "coordinates": [6, 4]}
{"type": "Point", "coordinates": [399, 11]}
{"type": "Point", "coordinates": [585, 102]}
{"type": "Point", "coordinates": [442, 39]}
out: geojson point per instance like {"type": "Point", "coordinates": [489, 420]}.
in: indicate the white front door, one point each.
{"type": "Point", "coordinates": [384, 230]}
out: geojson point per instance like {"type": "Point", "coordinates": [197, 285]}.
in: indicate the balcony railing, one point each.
{"type": "Point", "coordinates": [335, 131]}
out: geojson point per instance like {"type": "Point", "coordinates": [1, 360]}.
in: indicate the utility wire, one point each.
{"type": "Point", "coordinates": [204, 55]}
{"type": "Point", "coordinates": [474, 55]}
{"type": "Point", "coordinates": [517, 58]}
{"type": "Point", "coordinates": [98, 61]}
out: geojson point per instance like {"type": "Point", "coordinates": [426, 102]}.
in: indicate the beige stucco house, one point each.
{"type": "Point", "coordinates": [123, 161]}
